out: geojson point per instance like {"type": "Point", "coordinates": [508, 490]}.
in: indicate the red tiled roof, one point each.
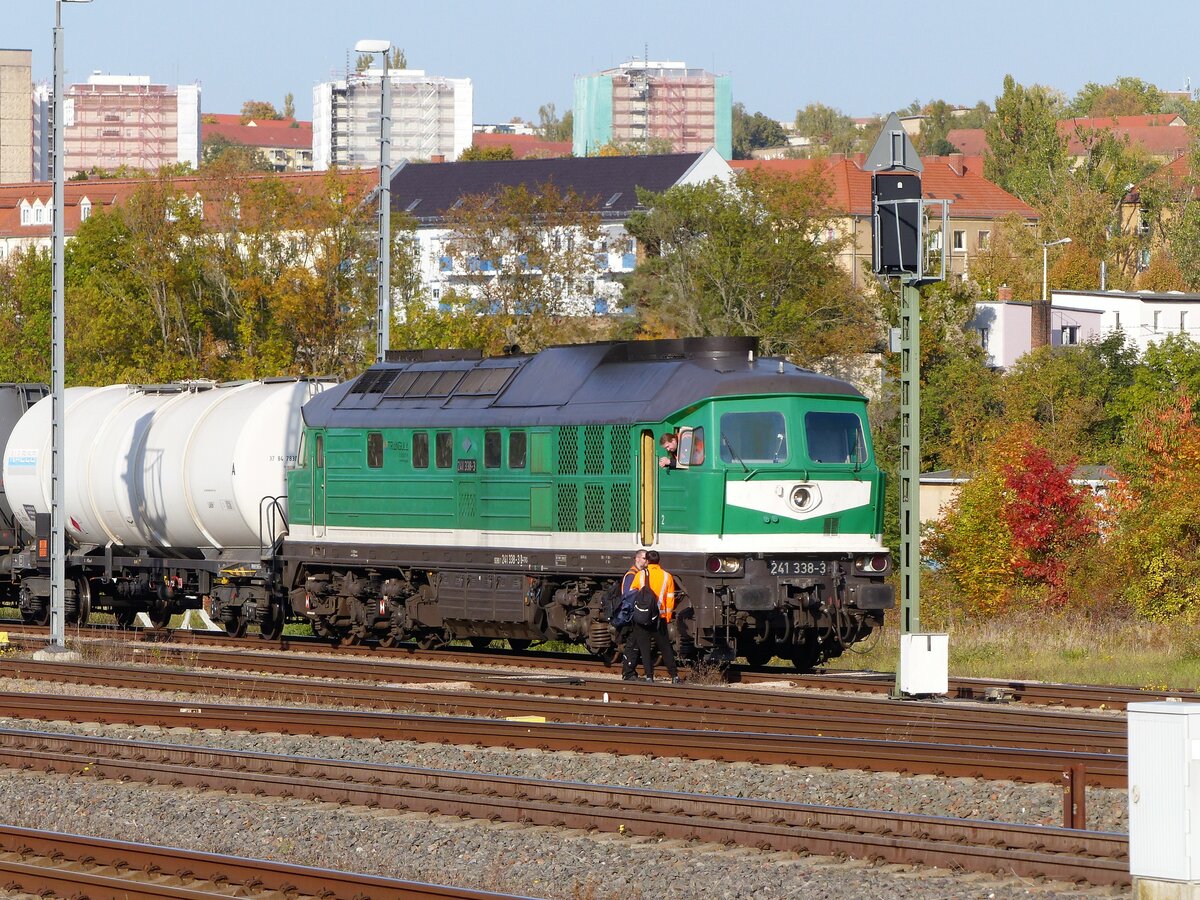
{"type": "Point", "coordinates": [523, 145]}
{"type": "Point", "coordinates": [109, 192]}
{"type": "Point", "coordinates": [971, 195]}
{"type": "Point", "coordinates": [1153, 133]}
{"type": "Point", "coordinates": [273, 133]}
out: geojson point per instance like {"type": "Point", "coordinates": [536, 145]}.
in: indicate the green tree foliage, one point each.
{"type": "Point", "coordinates": [259, 109]}
{"type": "Point", "coordinates": [1025, 155]}
{"type": "Point", "coordinates": [289, 105]}
{"type": "Point", "coordinates": [526, 259]}
{"type": "Point", "coordinates": [1157, 534]}
{"type": "Point", "coordinates": [475, 154]}
{"type": "Point", "coordinates": [1127, 96]}
{"type": "Point", "coordinates": [756, 257]}
{"type": "Point", "coordinates": [25, 285]}
{"type": "Point", "coordinates": [221, 151]}
{"type": "Point", "coordinates": [656, 146]}
{"type": "Point", "coordinates": [552, 127]}
{"type": "Point", "coordinates": [1012, 258]}
{"type": "Point", "coordinates": [754, 131]}
{"type": "Point", "coordinates": [829, 129]}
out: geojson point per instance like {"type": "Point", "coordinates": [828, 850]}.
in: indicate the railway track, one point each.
{"type": "Point", "coordinates": [70, 865]}
{"type": "Point", "coordinates": [477, 693]}
{"type": "Point", "coordinates": [1027, 851]}
{"type": "Point", "coordinates": [1111, 697]}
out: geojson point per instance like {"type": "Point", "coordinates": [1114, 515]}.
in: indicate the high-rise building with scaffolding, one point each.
{"type": "Point", "coordinates": [643, 103]}
{"type": "Point", "coordinates": [120, 120]}
{"type": "Point", "coordinates": [431, 118]}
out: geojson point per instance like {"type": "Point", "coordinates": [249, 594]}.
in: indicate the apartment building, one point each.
{"type": "Point", "coordinates": [16, 105]}
{"type": "Point", "coordinates": [431, 118]}
{"type": "Point", "coordinates": [638, 102]}
{"type": "Point", "coordinates": [120, 120]}
{"type": "Point", "coordinates": [285, 144]}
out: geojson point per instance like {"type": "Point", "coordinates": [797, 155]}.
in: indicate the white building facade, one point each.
{"type": "Point", "coordinates": [431, 118]}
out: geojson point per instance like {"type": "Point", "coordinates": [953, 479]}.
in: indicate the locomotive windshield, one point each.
{"type": "Point", "coordinates": [753, 437]}
{"type": "Point", "coordinates": [834, 437]}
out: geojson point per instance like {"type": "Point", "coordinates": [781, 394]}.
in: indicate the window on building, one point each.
{"type": "Point", "coordinates": [985, 237]}
{"type": "Point", "coordinates": [1157, 317]}
{"type": "Point", "coordinates": [85, 209]}
{"type": "Point", "coordinates": [38, 214]}
{"type": "Point", "coordinates": [1183, 321]}
{"type": "Point", "coordinates": [26, 215]}
{"type": "Point", "coordinates": [1117, 321]}
{"type": "Point", "coordinates": [374, 449]}
{"type": "Point", "coordinates": [959, 243]}
{"type": "Point", "coordinates": [420, 450]}
{"type": "Point", "coordinates": [445, 449]}
{"type": "Point", "coordinates": [985, 337]}
{"type": "Point", "coordinates": [1070, 335]}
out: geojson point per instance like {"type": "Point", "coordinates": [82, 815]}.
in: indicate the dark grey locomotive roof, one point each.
{"type": "Point", "coordinates": [602, 384]}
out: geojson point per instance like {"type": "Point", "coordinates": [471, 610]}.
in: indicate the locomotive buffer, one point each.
{"type": "Point", "coordinates": [902, 250]}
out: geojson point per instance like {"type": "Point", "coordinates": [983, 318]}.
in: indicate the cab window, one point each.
{"type": "Point", "coordinates": [834, 437]}
{"type": "Point", "coordinates": [691, 448]}
{"type": "Point", "coordinates": [756, 438]}
{"type": "Point", "coordinates": [374, 450]}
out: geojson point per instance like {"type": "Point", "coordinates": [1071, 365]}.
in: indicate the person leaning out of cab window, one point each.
{"type": "Point", "coordinates": [670, 443]}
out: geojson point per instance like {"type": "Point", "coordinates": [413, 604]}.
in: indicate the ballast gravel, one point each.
{"type": "Point", "coordinates": [534, 861]}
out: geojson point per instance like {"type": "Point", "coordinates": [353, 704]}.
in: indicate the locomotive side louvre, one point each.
{"type": "Point", "coordinates": [499, 498]}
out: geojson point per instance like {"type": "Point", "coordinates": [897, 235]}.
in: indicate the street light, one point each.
{"type": "Point", "coordinates": [1045, 249]}
{"type": "Point", "coordinates": [58, 543]}
{"type": "Point", "coordinates": [383, 304]}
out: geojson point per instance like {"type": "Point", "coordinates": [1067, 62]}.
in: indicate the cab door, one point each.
{"type": "Point", "coordinates": [318, 486]}
{"type": "Point", "coordinates": [647, 488]}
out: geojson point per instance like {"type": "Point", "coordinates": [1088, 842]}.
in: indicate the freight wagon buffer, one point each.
{"type": "Point", "coordinates": [441, 495]}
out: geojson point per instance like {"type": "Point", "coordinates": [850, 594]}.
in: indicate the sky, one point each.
{"type": "Point", "coordinates": [864, 58]}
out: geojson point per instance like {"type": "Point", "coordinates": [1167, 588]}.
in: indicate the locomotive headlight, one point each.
{"type": "Point", "coordinates": [723, 565]}
{"type": "Point", "coordinates": [875, 564]}
{"type": "Point", "coordinates": [804, 497]}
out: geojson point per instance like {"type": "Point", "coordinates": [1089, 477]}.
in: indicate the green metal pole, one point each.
{"type": "Point", "coordinates": [910, 458]}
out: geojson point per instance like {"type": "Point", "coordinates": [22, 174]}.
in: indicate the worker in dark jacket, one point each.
{"type": "Point", "coordinates": [649, 627]}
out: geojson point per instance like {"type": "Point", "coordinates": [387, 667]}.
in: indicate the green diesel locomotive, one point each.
{"type": "Point", "coordinates": [441, 496]}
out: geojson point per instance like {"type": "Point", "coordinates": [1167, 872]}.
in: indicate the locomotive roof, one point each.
{"type": "Point", "coordinates": [603, 384]}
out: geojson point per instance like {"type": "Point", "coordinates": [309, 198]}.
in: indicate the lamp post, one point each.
{"type": "Point", "coordinates": [383, 304]}
{"type": "Point", "coordinates": [58, 544]}
{"type": "Point", "coordinates": [1045, 257]}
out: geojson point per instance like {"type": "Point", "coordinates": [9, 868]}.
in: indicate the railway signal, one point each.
{"type": "Point", "coordinates": [901, 250]}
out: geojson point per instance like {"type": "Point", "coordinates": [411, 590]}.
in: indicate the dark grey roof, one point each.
{"type": "Point", "coordinates": [427, 190]}
{"type": "Point", "coordinates": [602, 384]}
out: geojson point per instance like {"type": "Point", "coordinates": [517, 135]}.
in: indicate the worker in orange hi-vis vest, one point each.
{"type": "Point", "coordinates": [662, 583]}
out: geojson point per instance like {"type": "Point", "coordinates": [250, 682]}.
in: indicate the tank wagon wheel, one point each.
{"type": "Point", "coordinates": [271, 627]}
{"type": "Point", "coordinates": [39, 617]}
{"type": "Point", "coordinates": [519, 644]}
{"type": "Point", "coordinates": [124, 617]}
{"type": "Point", "coordinates": [480, 643]}
{"type": "Point", "coordinates": [237, 628]}
{"type": "Point", "coordinates": [83, 591]}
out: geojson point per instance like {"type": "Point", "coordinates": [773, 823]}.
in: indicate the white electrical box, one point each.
{"type": "Point", "coordinates": [1164, 791]}
{"type": "Point", "coordinates": [924, 663]}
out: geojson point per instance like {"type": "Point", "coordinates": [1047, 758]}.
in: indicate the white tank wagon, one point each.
{"type": "Point", "coordinates": [181, 466]}
{"type": "Point", "coordinates": [180, 472]}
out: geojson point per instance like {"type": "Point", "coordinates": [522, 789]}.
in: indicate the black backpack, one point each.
{"type": "Point", "coordinates": [645, 607]}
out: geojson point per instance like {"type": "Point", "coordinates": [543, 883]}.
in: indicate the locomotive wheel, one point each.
{"type": "Point", "coordinates": [160, 613]}
{"type": "Point", "coordinates": [40, 616]}
{"type": "Point", "coordinates": [757, 655]}
{"type": "Point", "coordinates": [519, 644]}
{"type": "Point", "coordinates": [480, 643]}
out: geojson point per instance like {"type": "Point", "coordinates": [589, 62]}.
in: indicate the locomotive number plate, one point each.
{"type": "Point", "coordinates": [797, 566]}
